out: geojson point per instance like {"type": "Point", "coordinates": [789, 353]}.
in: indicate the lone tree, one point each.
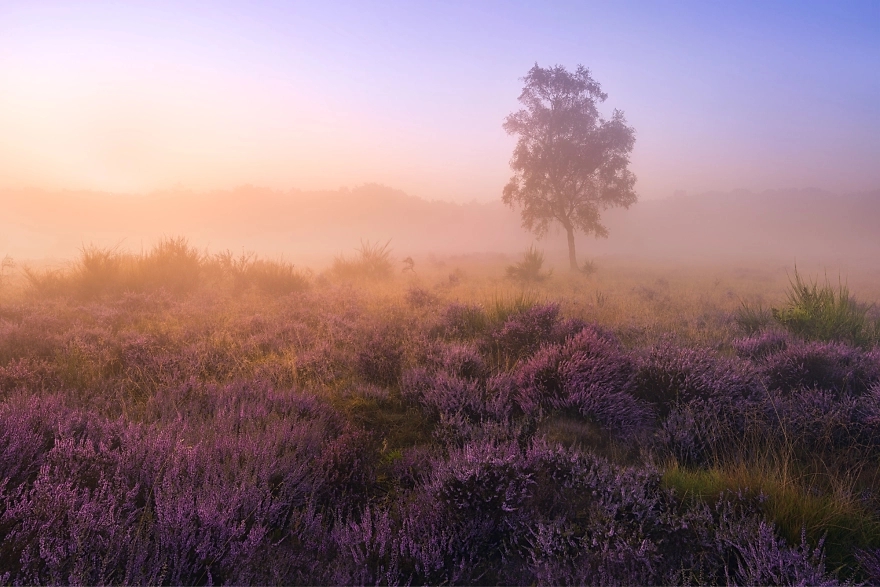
{"type": "Point", "coordinates": [569, 163]}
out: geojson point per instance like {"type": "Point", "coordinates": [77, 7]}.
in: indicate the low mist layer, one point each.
{"type": "Point", "coordinates": [313, 227]}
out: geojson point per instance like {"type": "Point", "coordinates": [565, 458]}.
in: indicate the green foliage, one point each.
{"type": "Point", "coordinates": [529, 269]}
{"type": "Point", "coordinates": [824, 313]}
{"type": "Point", "coordinates": [373, 262]}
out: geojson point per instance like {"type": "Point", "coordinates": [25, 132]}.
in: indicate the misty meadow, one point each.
{"type": "Point", "coordinates": [439, 293]}
{"type": "Point", "coordinates": [184, 417]}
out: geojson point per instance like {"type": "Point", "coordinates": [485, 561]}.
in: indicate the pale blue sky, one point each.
{"type": "Point", "coordinates": [135, 96]}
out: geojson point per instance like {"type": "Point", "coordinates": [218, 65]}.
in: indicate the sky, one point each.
{"type": "Point", "coordinates": [133, 97]}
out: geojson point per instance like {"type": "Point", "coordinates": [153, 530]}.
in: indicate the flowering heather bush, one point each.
{"type": "Point", "coordinates": [317, 438]}
{"type": "Point", "coordinates": [706, 431]}
{"type": "Point", "coordinates": [35, 333]}
{"type": "Point", "coordinates": [483, 480]}
{"type": "Point", "coordinates": [832, 366]}
{"type": "Point", "coordinates": [442, 394]}
{"type": "Point", "coordinates": [61, 532]}
{"type": "Point", "coordinates": [768, 560]}
{"type": "Point", "coordinates": [669, 373]}
{"type": "Point", "coordinates": [461, 360]}
{"type": "Point", "coordinates": [380, 358]}
{"type": "Point", "coordinates": [27, 429]}
{"type": "Point", "coordinates": [414, 466]}
{"type": "Point", "coordinates": [590, 374]}
{"type": "Point", "coordinates": [523, 332]}
{"type": "Point", "coordinates": [759, 346]}
{"type": "Point", "coordinates": [114, 502]}
{"type": "Point", "coordinates": [818, 421]}
{"type": "Point", "coordinates": [869, 561]}
{"type": "Point", "coordinates": [27, 374]}
{"type": "Point", "coordinates": [457, 391]}
{"type": "Point", "coordinates": [462, 321]}
{"type": "Point", "coordinates": [418, 297]}
{"type": "Point", "coordinates": [564, 329]}
{"type": "Point", "coordinates": [811, 422]}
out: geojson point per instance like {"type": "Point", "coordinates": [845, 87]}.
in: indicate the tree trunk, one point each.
{"type": "Point", "coordinates": [571, 258]}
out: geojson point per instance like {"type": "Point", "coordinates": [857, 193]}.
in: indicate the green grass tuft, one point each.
{"type": "Point", "coordinates": [824, 313]}
{"type": "Point", "coordinates": [751, 319]}
{"type": "Point", "coordinates": [501, 307]}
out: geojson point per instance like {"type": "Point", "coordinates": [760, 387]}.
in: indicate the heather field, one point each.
{"type": "Point", "coordinates": [184, 417]}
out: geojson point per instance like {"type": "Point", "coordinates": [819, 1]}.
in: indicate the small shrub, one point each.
{"type": "Point", "coordinates": [418, 297]}
{"type": "Point", "coordinates": [462, 360]}
{"type": "Point", "coordinates": [529, 268]}
{"type": "Point", "coordinates": [589, 268]}
{"type": "Point", "coordinates": [380, 359]}
{"type": "Point", "coordinates": [589, 374]}
{"type": "Point", "coordinates": [759, 346]}
{"type": "Point", "coordinates": [523, 332]}
{"type": "Point", "coordinates": [817, 421]}
{"type": "Point", "coordinates": [668, 373]}
{"type": "Point", "coordinates": [832, 366]}
{"type": "Point", "coordinates": [443, 395]}
{"type": "Point", "coordinates": [705, 431]}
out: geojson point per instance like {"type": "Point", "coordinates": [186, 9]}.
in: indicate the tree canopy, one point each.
{"type": "Point", "coordinates": [569, 163]}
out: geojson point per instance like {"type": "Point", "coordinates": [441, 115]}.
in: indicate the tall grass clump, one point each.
{"type": "Point", "coordinates": [529, 268]}
{"type": "Point", "coordinates": [99, 270]}
{"type": "Point", "coordinates": [751, 319]}
{"type": "Point", "coordinates": [46, 282]}
{"type": "Point", "coordinates": [372, 262]}
{"type": "Point", "coordinates": [824, 313]}
{"type": "Point", "coordinates": [6, 267]}
{"type": "Point", "coordinates": [276, 277]}
{"type": "Point", "coordinates": [247, 271]}
{"type": "Point", "coordinates": [173, 265]}
{"type": "Point", "coordinates": [502, 307]}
